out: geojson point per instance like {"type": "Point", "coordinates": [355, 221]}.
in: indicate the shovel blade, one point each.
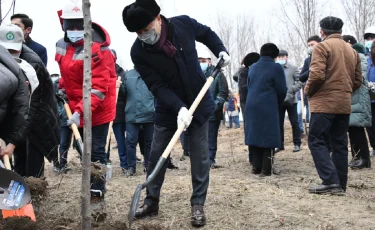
{"type": "Point", "coordinates": [27, 211]}
{"type": "Point", "coordinates": [14, 192]}
{"type": "Point", "coordinates": [134, 204]}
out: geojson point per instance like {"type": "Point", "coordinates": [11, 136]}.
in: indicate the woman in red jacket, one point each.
{"type": "Point", "coordinates": [69, 55]}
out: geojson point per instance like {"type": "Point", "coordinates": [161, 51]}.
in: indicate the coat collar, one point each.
{"type": "Point", "coordinates": [266, 58]}
{"type": "Point", "coordinates": [339, 36]}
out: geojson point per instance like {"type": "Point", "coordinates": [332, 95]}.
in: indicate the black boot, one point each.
{"type": "Point", "coordinates": [147, 211]}
{"type": "Point", "coordinates": [361, 163]}
{"type": "Point", "coordinates": [267, 163]}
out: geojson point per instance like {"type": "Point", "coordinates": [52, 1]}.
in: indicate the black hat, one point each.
{"type": "Point", "coordinates": [283, 53]}
{"type": "Point", "coordinates": [71, 24]}
{"type": "Point", "coordinates": [331, 24]}
{"type": "Point", "coordinates": [138, 15]}
{"type": "Point", "coordinates": [270, 50]}
{"type": "Point", "coordinates": [250, 59]}
{"type": "Point", "coordinates": [359, 48]}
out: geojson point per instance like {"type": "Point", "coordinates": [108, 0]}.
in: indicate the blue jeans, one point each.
{"type": "Point", "coordinates": [299, 111]}
{"type": "Point", "coordinates": [235, 120]}
{"type": "Point", "coordinates": [65, 142]}
{"type": "Point", "coordinates": [213, 131]}
{"type": "Point", "coordinates": [119, 131]}
{"type": "Point", "coordinates": [132, 132]}
{"type": "Point", "coordinates": [98, 151]}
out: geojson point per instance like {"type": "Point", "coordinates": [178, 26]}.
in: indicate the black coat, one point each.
{"type": "Point", "coordinates": [304, 76]}
{"type": "Point", "coordinates": [14, 99]}
{"type": "Point", "coordinates": [43, 128]}
{"type": "Point", "coordinates": [175, 82]}
{"type": "Point", "coordinates": [241, 78]}
{"type": "Point", "coordinates": [121, 100]}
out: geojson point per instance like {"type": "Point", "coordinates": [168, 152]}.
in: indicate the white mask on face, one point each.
{"type": "Point", "coordinates": [150, 37]}
{"type": "Point", "coordinates": [310, 50]}
{"type": "Point", "coordinates": [75, 35]}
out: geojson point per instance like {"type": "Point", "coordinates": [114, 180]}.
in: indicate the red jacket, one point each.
{"type": "Point", "coordinates": [69, 56]}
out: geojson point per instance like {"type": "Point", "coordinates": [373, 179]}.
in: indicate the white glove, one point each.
{"type": "Point", "coordinates": [75, 118]}
{"type": "Point", "coordinates": [226, 58]}
{"type": "Point", "coordinates": [183, 118]}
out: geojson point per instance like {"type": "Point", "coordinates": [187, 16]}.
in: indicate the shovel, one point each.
{"type": "Point", "coordinates": [74, 127]}
{"type": "Point", "coordinates": [15, 194]}
{"type": "Point", "coordinates": [167, 151]}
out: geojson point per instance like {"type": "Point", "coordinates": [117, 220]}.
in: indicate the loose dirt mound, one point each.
{"type": "Point", "coordinates": [38, 187]}
{"type": "Point", "coordinates": [98, 172]}
{"type": "Point", "coordinates": [18, 223]}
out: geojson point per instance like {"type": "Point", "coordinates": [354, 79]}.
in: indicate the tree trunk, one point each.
{"type": "Point", "coordinates": [87, 134]}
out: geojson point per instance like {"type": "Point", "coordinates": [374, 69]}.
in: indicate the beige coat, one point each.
{"type": "Point", "coordinates": [335, 72]}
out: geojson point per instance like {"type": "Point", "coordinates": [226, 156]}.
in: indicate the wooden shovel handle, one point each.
{"type": "Point", "coordinates": [7, 162]}
{"type": "Point", "coordinates": [111, 123]}
{"type": "Point", "coordinates": [74, 127]}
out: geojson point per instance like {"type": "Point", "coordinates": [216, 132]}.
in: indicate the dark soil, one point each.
{"type": "Point", "coordinates": [98, 172]}
{"type": "Point", "coordinates": [38, 187]}
{"type": "Point", "coordinates": [18, 223]}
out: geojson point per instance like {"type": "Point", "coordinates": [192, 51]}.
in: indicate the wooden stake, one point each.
{"type": "Point", "coordinates": [87, 134]}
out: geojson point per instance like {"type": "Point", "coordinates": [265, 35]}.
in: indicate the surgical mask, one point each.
{"type": "Point", "coordinates": [54, 79]}
{"type": "Point", "coordinates": [204, 66]}
{"type": "Point", "coordinates": [310, 50]}
{"type": "Point", "coordinates": [75, 35]}
{"type": "Point", "coordinates": [149, 37]}
{"type": "Point", "coordinates": [368, 44]}
{"type": "Point", "coordinates": [281, 62]}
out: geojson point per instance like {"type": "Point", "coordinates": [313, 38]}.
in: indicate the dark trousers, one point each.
{"type": "Point", "coordinates": [332, 170]}
{"type": "Point", "coordinates": [65, 142]}
{"type": "Point", "coordinates": [199, 160]}
{"type": "Point", "coordinates": [213, 131]}
{"type": "Point", "coordinates": [98, 151]}
{"type": "Point", "coordinates": [235, 120]}
{"type": "Point", "coordinates": [132, 132]}
{"type": "Point", "coordinates": [293, 118]}
{"type": "Point", "coordinates": [184, 138]}
{"type": "Point", "coordinates": [119, 131]}
{"type": "Point", "coordinates": [262, 159]}
{"type": "Point", "coordinates": [371, 130]}
{"type": "Point", "coordinates": [28, 160]}
{"type": "Point", "coordinates": [358, 143]}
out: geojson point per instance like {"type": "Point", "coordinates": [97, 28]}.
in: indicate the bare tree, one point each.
{"type": "Point", "coordinates": [245, 37]}
{"type": "Point", "coordinates": [360, 14]}
{"type": "Point", "coordinates": [300, 18]}
{"type": "Point", "coordinates": [87, 134]}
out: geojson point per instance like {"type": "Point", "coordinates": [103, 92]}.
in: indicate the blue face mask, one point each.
{"type": "Point", "coordinates": [75, 35]}
{"type": "Point", "coordinates": [281, 62]}
{"type": "Point", "coordinates": [368, 44]}
{"type": "Point", "coordinates": [204, 66]}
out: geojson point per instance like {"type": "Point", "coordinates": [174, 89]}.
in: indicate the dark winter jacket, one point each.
{"type": "Point", "coordinates": [40, 50]}
{"type": "Point", "coordinates": [175, 82]}
{"type": "Point", "coordinates": [139, 100]}
{"type": "Point", "coordinates": [14, 99]}
{"type": "Point", "coordinates": [63, 117]}
{"type": "Point", "coordinates": [370, 72]}
{"type": "Point", "coordinates": [121, 98]}
{"type": "Point", "coordinates": [361, 105]}
{"type": "Point", "coordinates": [43, 128]}
{"type": "Point", "coordinates": [304, 76]}
{"type": "Point", "coordinates": [266, 94]}
{"type": "Point", "coordinates": [219, 90]}
{"type": "Point", "coordinates": [241, 77]}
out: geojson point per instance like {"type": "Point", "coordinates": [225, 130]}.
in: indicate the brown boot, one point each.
{"type": "Point", "coordinates": [198, 219]}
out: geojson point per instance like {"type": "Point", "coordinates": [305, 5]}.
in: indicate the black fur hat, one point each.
{"type": "Point", "coordinates": [270, 50]}
{"type": "Point", "coordinates": [250, 59]}
{"type": "Point", "coordinates": [331, 24]}
{"type": "Point", "coordinates": [138, 15]}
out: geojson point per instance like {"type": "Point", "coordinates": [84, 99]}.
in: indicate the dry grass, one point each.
{"type": "Point", "coordinates": [236, 198]}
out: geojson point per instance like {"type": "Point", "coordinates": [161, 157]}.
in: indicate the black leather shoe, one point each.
{"type": "Point", "coordinates": [296, 149]}
{"type": "Point", "coordinates": [326, 189]}
{"type": "Point", "coordinates": [256, 171]}
{"type": "Point", "coordinates": [361, 164]}
{"type": "Point", "coordinates": [147, 211]}
{"type": "Point", "coordinates": [198, 219]}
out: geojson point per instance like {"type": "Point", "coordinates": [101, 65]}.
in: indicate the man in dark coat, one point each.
{"type": "Point", "coordinates": [14, 101]}
{"type": "Point", "coordinates": [165, 56]}
{"type": "Point", "coordinates": [42, 132]}
{"type": "Point", "coordinates": [219, 90]}
{"type": "Point", "coordinates": [266, 93]}
{"type": "Point", "coordinates": [26, 24]}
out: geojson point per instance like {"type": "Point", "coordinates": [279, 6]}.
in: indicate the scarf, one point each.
{"type": "Point", "coordinates": [163, 44]}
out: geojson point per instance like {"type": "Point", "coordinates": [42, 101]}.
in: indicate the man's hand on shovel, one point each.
{"type": "Point", "coordinates": [8, 150]}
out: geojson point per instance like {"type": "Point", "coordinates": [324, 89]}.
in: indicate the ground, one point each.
{"type": "Point", "coordinates": [236, 198]}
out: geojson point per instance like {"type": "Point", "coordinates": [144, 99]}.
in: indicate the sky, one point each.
{"type": "Point", "coordinates": [108, 14]}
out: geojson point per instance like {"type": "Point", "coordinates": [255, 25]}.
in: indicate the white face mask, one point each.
{"type": "Point", "coordinates": [310, 50]}
{"type": "Point", "coordinates": [150, 37]}
{"type": "Point", "coordinates": [75, 35]}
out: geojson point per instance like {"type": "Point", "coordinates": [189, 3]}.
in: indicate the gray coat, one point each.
{"type": "Point", "coordinates": [361, 105]}
{"type": "Point", "coordinates": [292, 82]}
